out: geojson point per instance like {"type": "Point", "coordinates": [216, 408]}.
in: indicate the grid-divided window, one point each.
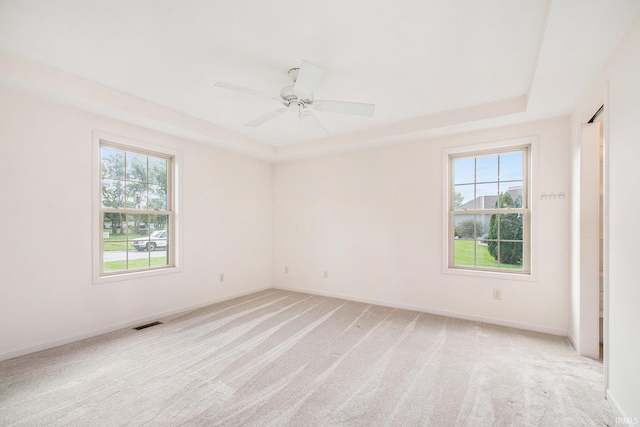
{"type": "Point", "coordinates": [136, 210]}
{"type": "Point", "coordinates": [489, 215]}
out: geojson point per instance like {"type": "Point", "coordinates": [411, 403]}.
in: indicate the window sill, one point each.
{"type": "Point", "coordinates": [135, 275]}
{"type": "Point", "coordinates": [514, 277]}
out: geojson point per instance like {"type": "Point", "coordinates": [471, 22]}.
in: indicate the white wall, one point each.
{"type": "Point", "coordinates": [622, 142]}
{"type": "Point", "coordinates": [46, 291]}
{"type": "Point", "coordinates": [373, 220]}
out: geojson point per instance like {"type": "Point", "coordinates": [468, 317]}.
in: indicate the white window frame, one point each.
{"type": "Point", "coordinates": [529, 270]}
{"type": "Point", "coordinates": [175, 231]}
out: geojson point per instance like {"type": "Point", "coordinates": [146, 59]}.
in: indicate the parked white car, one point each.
{"type": "Point", "coordinates": [158, 239]}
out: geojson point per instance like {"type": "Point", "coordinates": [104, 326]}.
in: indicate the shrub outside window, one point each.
{"type": "Point", "coordinates": [489, 215]}
{"type": "Point", "coordinates": [136, 210]}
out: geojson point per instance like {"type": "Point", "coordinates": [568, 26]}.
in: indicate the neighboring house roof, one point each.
{"type": "Point", "coordinates": [488, 202]}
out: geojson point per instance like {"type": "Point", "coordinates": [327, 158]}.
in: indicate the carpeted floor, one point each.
{"type": "Point", "coordinates": [278, 358]}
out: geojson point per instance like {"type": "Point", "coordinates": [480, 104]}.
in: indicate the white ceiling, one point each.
{"type": "Point", "coordinates": [431, 67]}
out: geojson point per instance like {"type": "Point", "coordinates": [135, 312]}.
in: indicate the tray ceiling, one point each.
{"type": "Point", "coordinates": [431, 67]}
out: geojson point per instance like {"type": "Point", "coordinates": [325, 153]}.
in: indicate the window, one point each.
{"type": "Point", "coordinates": [489, 214]}
{"type": "Point", "coordinates": [136, 209]}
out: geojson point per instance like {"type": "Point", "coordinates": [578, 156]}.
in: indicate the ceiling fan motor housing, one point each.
{"type": "Point", "coordinates": [291, 100]}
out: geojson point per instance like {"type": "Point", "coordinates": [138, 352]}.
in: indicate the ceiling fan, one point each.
{"type": "Point", "coordinates": [298, 98]}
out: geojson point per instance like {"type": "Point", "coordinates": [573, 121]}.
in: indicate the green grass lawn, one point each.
{"type": "Point", "coordinates": [117, 242]}
{"type": "Point", "coordinates": [463, 255]}
{"type": "Point", "coordinates": [134, 263]}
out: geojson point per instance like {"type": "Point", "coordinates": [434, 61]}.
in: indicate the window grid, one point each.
{"type": "Point", "coordinates": [147, 212]}
{"type": "Point", "coordinates": [477, 212]}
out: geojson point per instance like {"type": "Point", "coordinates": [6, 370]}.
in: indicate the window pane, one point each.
{"type": "Point", "coordinates": [136, 195]}
{"type": "Point", "coordinates": [511, 166]}
{"type": "Point", "coordinates": [114, 260]}
{"type": "Point", "coordinates": [470, 246]}
{"type": "Point", "coordinates": [114, 242]}
{"type": "Point", "coordinates": [136, 167]}
{"type": "Point", "coordinates": [510, 227]}
{"type": "Point", "coordinates": [112, 193]}
{"type": "Point", "coordinates": [487, 169]}
{"type": "Point", "coordinates": [483, 256]}
{"type": "Point", "coordinates": [468, 226]}
{"type": "Point", "coordinates": [158, 171]}
{"type": "Point", "coordinates": [463, 197]}
{"type": "Point", "coordinates": [511, 255]}
{"type": "Point", "coordinates": [464, 170]}
{"type": "Point", "coordinates": [464, 253]}
{"type": "Point", "coordinates": [112, 163]}
{"type": "Point", "coordinates": [112, 227]}
{"type": "Point", "coordinates": [514, 189]}
{"type": "Point", "coordinates": [160, 255]}
{"type": "Point", "coordinates": [137, 259]}
{"type": "Point", "coordinates": [159, 222]}
{"type": "Point", "coordinates": [486, 195]}
{"type": "Point", "coordinates": [138, 226]}
{"type": "Point", "coordinates": [159, 240]}
{"type": "Point", "coordinates": [168, 247]}
{"type": "Point", "coordinates": [157, 197]}
{"type": "Point", "coordinates": [482, 227]}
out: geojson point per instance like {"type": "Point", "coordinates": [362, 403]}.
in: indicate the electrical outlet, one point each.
{"type": "Point", "coordinates": [497, 294]}
{"type": "Point", "coordinates": [326, 274]}
{"type": "Point", "coordinates": [286, 270]}
{"type": "Point", "coordinates": [222, 277]}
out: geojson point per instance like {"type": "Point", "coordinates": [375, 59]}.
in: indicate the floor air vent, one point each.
{"type": "Point", "coordinates": [148, 325]}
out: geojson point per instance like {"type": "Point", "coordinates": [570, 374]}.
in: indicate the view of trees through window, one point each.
{"type": "Point", "coordinates": [488, 211]}
{"type": "Point", "coordinates": [135, 210]}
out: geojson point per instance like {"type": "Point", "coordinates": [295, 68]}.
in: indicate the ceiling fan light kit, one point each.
{"type": "Point", "coordinates": [298, 98]}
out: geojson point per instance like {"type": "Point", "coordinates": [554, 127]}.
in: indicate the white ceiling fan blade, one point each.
{"type": "Point", "coordinates": [356, 108]}
{"type": "Point", "coordinates": [266, 117]}
{"type": "Point", "coordinates": [247, 90]}
{"type": "Point", "coordinates": [313, 124]}
{"type": "Point", "coordinates": [308, 77]}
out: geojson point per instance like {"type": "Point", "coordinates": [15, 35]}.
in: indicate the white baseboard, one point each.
{"type": "Point", "coordinates": [501, 322]}
{"type": "Point", "coordinates": [572, 341]}
{"type": "Point", "coordinates": [618, 409]}
{"type": "Point", "coordinates": [128, 324]}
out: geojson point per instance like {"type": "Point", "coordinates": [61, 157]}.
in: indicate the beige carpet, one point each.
{"type": "Point", "coordinates": [279, 358]}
